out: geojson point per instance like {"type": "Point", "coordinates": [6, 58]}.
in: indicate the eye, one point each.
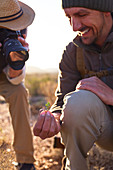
{"type": "Point", "coordinates": [82, 15]}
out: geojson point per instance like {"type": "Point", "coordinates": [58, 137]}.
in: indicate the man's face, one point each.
{"type": "Point", "coordinates": [90, 24]}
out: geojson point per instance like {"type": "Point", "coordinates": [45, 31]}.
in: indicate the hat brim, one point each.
{"type": "Point", "coordinates": [23, 21]}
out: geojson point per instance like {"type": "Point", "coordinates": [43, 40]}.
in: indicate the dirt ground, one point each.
{"type": "Point", "coordinates": [47, 157]}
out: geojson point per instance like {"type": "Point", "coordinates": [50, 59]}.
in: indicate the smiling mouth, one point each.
{"type": "Point", "coordinates": [81, 33]}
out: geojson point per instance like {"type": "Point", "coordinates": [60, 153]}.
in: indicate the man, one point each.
{"type": "Point", "coordinates": [85, 103]}
{"type": "Point", "coordinates": [14, 17]}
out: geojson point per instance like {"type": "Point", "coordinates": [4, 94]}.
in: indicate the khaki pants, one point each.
{"type": "Point", "coordinates": [87, 120]}
{"type": "Point", "coordinates": [17, 97]}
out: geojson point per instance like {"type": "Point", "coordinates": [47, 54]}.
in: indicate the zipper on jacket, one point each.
{"type": "Point", "coordinates": [100, 61]}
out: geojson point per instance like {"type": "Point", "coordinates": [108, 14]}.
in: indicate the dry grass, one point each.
{"type": "Point", "coordinates": [42, 85]}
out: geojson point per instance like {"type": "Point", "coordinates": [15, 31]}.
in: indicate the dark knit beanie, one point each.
{"type": "Point", "coordinates": [100, 5]}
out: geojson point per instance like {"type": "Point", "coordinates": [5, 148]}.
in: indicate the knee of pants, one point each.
{"type": "Point", "coordinates": [81, 107]}
{"type": "Point", "coordinates": [21, 90]}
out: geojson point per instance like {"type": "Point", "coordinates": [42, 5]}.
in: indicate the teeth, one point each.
{"type": "Point", "coordinates": [85, 31]}
{"type": "Point", "coordinates": [81, 33]}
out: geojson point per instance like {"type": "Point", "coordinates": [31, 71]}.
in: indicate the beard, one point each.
{"type": "Point", "coordinates": [89, 40]}
{"type": "Point", "coordinates": [96, 33]}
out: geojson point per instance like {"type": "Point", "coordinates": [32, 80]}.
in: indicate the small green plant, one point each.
{"type": "Point", "coordinates": [47, 105]}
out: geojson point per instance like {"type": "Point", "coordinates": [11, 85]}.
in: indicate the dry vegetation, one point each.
{"type": "Point", "coordinates": [42, 88]}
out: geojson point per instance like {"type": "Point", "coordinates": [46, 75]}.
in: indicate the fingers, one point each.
{"type": "Point", "coordinates": [46, 126]}
{"type": "Point", "coordinates": [87, 83]}
{"type": "Point", "coordinates": [53, 128]}
{"type": "Point", "coordinates": [24, 43]}
{"type": "Point", "coordinates": [22, 40]}
{"type": "Point", "coordinates": [24, 35]}
{"type": "Point", "coordinates": [39, 124]}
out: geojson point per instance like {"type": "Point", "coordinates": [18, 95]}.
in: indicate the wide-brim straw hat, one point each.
{"type": "Point", "coordinates": [15, 15]}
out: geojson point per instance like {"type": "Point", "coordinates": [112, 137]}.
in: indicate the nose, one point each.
{"type": "Point", "coordinates": [76, 23]}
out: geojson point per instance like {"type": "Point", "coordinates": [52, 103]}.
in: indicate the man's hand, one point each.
{"type": "Point", "coordinates": [24, 43]}
{"type": "Point", "coordinates": [15, 57]}
{"type": "Point", "coordinates": [13, 73]}
{"type": "Point", "coordinates": [47, 125]}
{"type": "Point", "coordinates": [95, 85]}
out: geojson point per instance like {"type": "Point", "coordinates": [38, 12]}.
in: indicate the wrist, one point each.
{"type": "Point", "coordinates": [13, 73]}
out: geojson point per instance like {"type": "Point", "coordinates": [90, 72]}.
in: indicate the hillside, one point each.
{"type": "Point", "coordinates": [33, 70]}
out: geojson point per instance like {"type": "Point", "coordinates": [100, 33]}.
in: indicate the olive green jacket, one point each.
{"type": "Point", "coordinates": [95, 59]}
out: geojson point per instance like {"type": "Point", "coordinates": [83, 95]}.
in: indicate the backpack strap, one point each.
{"type": "Point", "coordinates": [85, 73]}
{"type": "Point", "coordinates": [80, 61]}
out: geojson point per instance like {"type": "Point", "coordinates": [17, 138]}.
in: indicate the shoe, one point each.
{"type": "Point", "coordinates": [25, 166]}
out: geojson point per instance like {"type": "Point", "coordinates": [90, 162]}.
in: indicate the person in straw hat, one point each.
{"type": "Point", "coordinates": [16, 16]}
{"type": "Point", "coordinates": [84, 102]}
